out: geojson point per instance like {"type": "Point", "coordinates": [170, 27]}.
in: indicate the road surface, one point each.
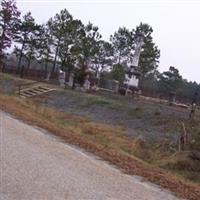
{"type": "Point", "coordinates": [37, 166]}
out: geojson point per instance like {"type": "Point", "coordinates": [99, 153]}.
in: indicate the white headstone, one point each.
{"type": "Point", "coordinates": [71, 79]}
{"type": "Point", "coordinates": [62, 78]}
{"type": "Point", "coordinates": [86, 84]}
{"type": "Point", "coordinates": [48, 76]}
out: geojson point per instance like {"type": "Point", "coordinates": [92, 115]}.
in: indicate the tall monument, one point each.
{"type": "Point", "coordinates": [132, 74]}
{"type": "Point", "coordinates": [136, 55]}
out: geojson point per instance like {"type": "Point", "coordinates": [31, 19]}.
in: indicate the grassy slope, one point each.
{"type": "Point", "coordinates": [166, 122]}
{"type": "Point", "coordinates": [108, 143]}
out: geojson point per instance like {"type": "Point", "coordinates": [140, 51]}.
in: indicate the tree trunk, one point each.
{"type": "Point", "coordinates": [22, 71]}
{"type": "Point", "coordinates": [63, 64]}
{"type": "Point", "coordinates": [20, 59]}
{"type": "Point", "coordinates": [140, 86]}
{"type": "Point", "coordinates": [28, 65]}
{"type": "Point", "coordinates": [55, 58]}
{"type": "Point", "coordinates": [1, 46]}
{"type": "Point", "coordinates": [45, 69]}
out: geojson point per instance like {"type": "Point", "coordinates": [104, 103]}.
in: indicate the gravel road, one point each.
{"type": "Point", "coordinates": [37, 166]}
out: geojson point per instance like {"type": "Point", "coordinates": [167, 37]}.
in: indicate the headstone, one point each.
{"type": "Point", "coordinates": [48, 76]}
{"type": "Point", "coordinates": [95, 88]}
{"type": "Point", "coordinates": [86, 84]}
{"type": "Point", "coordinates": [194, 105]}
{"type": "Point", "coordinates": [61, 78]}
{"type": "Point", "coordinates": [71, 80]}
{"type": "Point", "coordinates": [172, 98]}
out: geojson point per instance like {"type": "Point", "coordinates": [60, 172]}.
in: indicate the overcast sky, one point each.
{"type": "Point", "coordinates": [176, 24]}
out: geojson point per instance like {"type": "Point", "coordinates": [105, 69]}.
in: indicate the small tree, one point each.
{"type": "Point", "coordinates": [28, 30]}
{"type": "Point", "coordinates": [86, 48]}
{"type": "Point", "coordinates": [58, 27]}
{"type": "Point", "coordinates": [67, 53]}
{"type": "Point", "coordinates": [44, 47]}
{"type": "Point", "coordinates": [30, 50]}
{"type": "Point", "coordinates": [103, 59]}
{"type": "Point", "coordinates": [171, 80]}
{"type": "Point", "coordinates": [88, 44]}
{"type": "Point", "coordinates": [122, 45]}
{"type": "Point", "coordinates": [9, 19]}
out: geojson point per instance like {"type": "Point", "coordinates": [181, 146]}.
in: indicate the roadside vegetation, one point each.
{"type": "Point", "coordinates": [138, 155]}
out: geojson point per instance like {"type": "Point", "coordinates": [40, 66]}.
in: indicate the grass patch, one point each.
{"type": "Point", "coordinates": [136, 112]}
{"type": "Point", "coordinates": [91, 100]}
{"type": "Point", "coordinates": [5, 77]}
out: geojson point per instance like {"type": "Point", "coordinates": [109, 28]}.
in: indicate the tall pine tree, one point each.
{"type": "Point", "coordinates": [9, 19]}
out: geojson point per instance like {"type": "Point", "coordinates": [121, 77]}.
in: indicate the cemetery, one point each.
{"type": "Point", "coordinates": [107, 97]}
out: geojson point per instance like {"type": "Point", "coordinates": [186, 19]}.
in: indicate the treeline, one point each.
{"type": "Point", "coordinates": [66, 43]}
{"type": "Point", "coordinates": [171, 82]}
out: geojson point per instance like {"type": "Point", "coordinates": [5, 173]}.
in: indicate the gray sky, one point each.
{"type": "Point", "coordinates": [176, 24]}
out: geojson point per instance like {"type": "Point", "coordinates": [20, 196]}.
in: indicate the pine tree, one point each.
{"type": "Point", "coordinates": [9, 19]}
{"type": "Point", "coordinates": [44, 48]}
{"type": "Point", "coordinates": [58, 27]}
{"type": "Point", "coordinates": [27, 38]}
{"type": "Point", "coordinates": [149, 57]}
{"type": "Point", "coordinates": [122, 43]}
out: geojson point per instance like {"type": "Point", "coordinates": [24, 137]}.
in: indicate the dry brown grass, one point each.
{"type": "Point", "coordinates": [106, 142]}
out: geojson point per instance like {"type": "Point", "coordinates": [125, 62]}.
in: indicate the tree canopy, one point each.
{"type": "Point", "coordinates": [9, 19]}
